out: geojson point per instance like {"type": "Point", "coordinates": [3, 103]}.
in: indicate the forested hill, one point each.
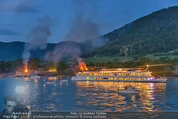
{"type": "Point", "coordinates": [156, 32]}
{"type": "Point", "coordinates": [14, 50]}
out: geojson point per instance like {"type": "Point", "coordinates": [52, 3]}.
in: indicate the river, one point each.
{"type": "Point", "coordinates": [92, 96]}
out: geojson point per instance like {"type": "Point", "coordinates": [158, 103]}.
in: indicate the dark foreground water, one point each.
{"type": "Point", "coordinates": [92, 96]}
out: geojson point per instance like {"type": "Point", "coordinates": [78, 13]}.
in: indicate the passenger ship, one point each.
{"type": "Point", "coordinates": [119, 74]}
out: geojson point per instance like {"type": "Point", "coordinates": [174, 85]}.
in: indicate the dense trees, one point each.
{"type": "Point", "coordinates": [34, 63]}
{"type": "Point", "coordinates": [11, 66]}
{"type": "Point", "coordinates": [156, 32]}
{"type": "Point", "coordinates": [61, 67]}
{"type": "Point", "coordinates": [161, 66]}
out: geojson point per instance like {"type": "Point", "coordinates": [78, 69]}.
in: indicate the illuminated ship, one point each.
{"type": "Point", "coordinates": [119, 74]}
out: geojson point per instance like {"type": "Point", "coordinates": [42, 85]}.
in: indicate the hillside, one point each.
{"type": "Point", "coordinates": [11, 50]}
{"type": "Point", "coordinates": [14, 50]}
{"type": "Point", "coordinates": [154, 33]}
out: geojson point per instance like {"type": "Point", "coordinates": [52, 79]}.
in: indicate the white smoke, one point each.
{"type": "Point", "coordinates": [38, 36]}
{"type": "Point", "coordinates": [82, 30]}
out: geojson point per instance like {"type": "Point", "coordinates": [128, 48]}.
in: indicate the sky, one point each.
{"type": "Point", "coordinates": [18, 18]}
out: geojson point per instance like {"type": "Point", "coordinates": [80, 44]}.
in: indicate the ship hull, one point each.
{"type": "Point", "coordinates": [129, 91]}
{"type": "Point", "coordinates": [153, 80]}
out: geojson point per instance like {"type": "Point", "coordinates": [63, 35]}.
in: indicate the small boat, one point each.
{"type": "Point", "coordinates": [50, 82]}
{"type": "Point", "coordinates": [35, 77]}
{"type": "Point", "coordinates": [129, 89]}
{"type": "Point", "coordinates": [29, 80]}
{"type": "Point", "coordinates": [63, 80]}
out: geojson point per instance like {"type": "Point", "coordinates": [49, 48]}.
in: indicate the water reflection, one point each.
{"type": "Point", "coordinates": [52, 78]}
{"type": "Point", "coordinates": [66, 95]}
{"type": "Point", "coordinates": [106, 94]}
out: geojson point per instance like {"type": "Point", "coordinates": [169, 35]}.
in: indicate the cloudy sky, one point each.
{"type": "Point", "coordinates": [18, 18]}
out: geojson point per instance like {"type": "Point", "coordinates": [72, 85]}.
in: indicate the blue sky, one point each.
{"type": "Point", "coordinates": [18, 17]}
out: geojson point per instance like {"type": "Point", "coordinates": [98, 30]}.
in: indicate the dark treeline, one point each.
{"type": "Point", "coordinates": [162, 66]}
{"type": "Point", "coordinates": [62, 67]}
{"type": "Point", "coordinates": [10, 66]}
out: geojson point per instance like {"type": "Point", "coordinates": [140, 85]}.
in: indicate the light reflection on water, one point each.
{"type": "Point", "coordinates": [105, 94]}
{"type": "Point", "coordinates": [92, 96]}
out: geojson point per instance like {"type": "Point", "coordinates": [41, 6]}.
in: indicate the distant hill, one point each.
{"type": "Point", "coordinates": [156, 32]}
{"type": "Point", "coordinates": [14, 50]}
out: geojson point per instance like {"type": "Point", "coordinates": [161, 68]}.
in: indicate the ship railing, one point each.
{"type": "Point", "coordinates": [158, 76]}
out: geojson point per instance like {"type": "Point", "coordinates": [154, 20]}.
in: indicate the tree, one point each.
{"type": "Point", "coordinates": [1, 66]}
{"type": "Point", "coordinates": [144, 61]}
{"type": "Point", "coordinates": [34, 63]}
{"type": "Point", "coordinates": [61, 67]}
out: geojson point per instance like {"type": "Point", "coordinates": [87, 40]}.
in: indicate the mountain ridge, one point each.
{"type": "Point", "coordinates": [153, 33]}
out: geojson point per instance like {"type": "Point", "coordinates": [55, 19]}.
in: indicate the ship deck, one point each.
{"type": "Point", "coordinates": [149, 81]}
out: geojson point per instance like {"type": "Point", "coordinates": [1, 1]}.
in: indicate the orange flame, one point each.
{"type": "Point", "coordinates": [82, 65]}
{"type": "Point", "coordinates": [26, 67]}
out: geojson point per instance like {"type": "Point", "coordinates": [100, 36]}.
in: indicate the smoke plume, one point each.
{"type": "Point", "coordinates": [64, 50]}
{"type": "Point", "coordinates": [37, 37]}
{"type": "Point", "coordinates": [83, 30]}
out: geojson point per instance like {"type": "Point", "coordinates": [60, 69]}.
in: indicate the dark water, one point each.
{"type": "Point", "coordinates": [92, 96]}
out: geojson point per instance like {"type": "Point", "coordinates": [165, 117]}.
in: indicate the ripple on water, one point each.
{"type": "Point", "coordinates": [93, 96]}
